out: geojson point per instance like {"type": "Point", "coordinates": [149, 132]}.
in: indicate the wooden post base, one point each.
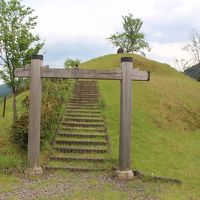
{"type": "Point", "coordinates": [34, 171]}
{"type": "Point", "coordinates": [125, 175]}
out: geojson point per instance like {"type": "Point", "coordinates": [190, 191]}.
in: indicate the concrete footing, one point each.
{"type": "Point", "coordinates": [124, 175]}
{"type": "Point", "coordinates": [34, 171]}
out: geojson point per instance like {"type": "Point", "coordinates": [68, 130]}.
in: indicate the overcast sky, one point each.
{"type": "Point", "coordinates": [79, 28]}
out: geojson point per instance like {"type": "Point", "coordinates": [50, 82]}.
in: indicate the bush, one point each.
{"type": "Point", "coordinates": [55, 93]}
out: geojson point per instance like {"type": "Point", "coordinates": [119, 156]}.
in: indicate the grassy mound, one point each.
{"type": "Point", "coordinates": [165, 123]}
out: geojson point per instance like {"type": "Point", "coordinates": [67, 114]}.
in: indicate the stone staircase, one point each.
{"type": "Point", "coordinates": [82, 142]}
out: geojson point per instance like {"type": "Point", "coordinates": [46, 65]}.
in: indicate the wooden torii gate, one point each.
{"type": "Point", "coordinates": [126, 74]}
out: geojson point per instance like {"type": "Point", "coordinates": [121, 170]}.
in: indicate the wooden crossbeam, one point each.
{"type": "Point", "coordinates": [85, 74]}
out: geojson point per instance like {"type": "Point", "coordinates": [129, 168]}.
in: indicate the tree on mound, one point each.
{"type": "Point", "coordinates": [17, 43]}
{"type": "Point", "coordinates": [132, 39]}
{"type": "Point", "coordinates": [71, 63]}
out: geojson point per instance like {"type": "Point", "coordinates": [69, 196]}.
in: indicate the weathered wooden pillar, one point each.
{"type": "Point", "coordinates": [124, 171]}
{"type": "Point", "coordinates": [34, 116]}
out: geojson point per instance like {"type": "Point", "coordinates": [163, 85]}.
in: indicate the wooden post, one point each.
{"type": "Point", "coordinates": [4, 106]}
{"type": "Point", "coordinates": [124, 171]}
{"type": "Point", "coordinates": [34, 116]}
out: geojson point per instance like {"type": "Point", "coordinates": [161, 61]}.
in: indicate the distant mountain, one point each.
{"type": "Point", "coordinates": [193, 72]}
{"type": "Point", "coordinates": [4, 90]}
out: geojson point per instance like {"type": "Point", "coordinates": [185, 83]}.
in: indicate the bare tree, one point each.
{"type": "Point", "coordinates": [182, 64]}
{"type": "Point", "coordinates": [193, 46]}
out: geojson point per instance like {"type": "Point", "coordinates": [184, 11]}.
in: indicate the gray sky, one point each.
{"type": "Point", "coordinates": [79, 28]}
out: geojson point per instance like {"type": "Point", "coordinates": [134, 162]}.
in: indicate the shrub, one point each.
{"type": "Point", "coordinates": [55, 93]}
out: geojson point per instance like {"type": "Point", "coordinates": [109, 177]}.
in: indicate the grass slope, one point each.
{"type": "Point", "coordinates": [165, 123]}
{"type": "Point", "coordinates": [165, 130]}
{"type": "Point", "coordinates": [9, 155]}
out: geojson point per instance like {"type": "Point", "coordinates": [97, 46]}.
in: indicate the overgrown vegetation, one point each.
{"type": "Point", "coordinates": [14, 141]}
{"type": "Point", "coordinates": [54, 93]}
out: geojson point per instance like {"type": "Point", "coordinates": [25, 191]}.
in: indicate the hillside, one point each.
{"type": "Point", "coordinates": [193, 72]}
{"type": "Point", "coordinates": [165, 125]}
{"type": "Point", "coordinates": [170, 97]}
{"type": "Point", "coordinates": [165, 137]}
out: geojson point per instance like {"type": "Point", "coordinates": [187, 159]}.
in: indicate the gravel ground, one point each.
{"type": "Point", "coordinates": [78, 186]}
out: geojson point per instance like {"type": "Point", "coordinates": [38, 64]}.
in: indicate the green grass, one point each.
{"type": "Point", "coordinates": [10, 158]}
{"type": "Point", "coordinates": [165, 124]}
{"type": "Point", "coordinates": [165, 130]}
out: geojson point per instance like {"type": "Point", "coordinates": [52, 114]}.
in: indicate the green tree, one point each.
{"type": "Point", "coordinates": [132, 39]}
{"type": "Point", "coordinates": [17, 42]}
{"type": "Point", "coordinates": [71, 63]}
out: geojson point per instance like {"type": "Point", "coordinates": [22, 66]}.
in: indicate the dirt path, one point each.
{"type": "Point", "coordinates": [78, 186]}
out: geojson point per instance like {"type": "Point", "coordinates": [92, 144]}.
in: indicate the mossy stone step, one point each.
{"type": "Point", "coordinates": [81, 149]}
{"type": "Point", "coordinates": [82, 115]}
{"type": "Point", "coordinates": [85, 129]}
{"type": "Point", "coordinates": [87, 108]}
{"type": "Point", "coordinates": [80, 100]}
{"type": "Point", "coordinates": [75, 158]}
{"type": "Point", "coordinates": [83, 124]}
{"type": "Point", "coordinates": [78, 155]}
{"type": "Point", "coordinates": [88, 96]}
{"type": "Point", "coordinates": [86, 89]}
{"type": "Point", "coordinates": [84, 107]}
{"type": "Point", "coordinates": [81, 142]}
{"type": "Point", "coordinates": [100, 139]}
{"type": "Point", "coordinates": [88, 101]}
{"type": "Point", "coordinates": [87, 112]}
{"type": "Point", "coordinates": [80, 135]}
{"type": "Point", "coordinates": [76, 98]}
{"type": "Point", "coordinates": [80, 164]}
{"type": "Point", "coordinates": [82, 120]}
{"type": "Point", "coordinates": [84, 104]}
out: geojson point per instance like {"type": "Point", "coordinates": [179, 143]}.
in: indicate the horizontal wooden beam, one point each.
{"type": "Point", "coordinates": [84, 74]}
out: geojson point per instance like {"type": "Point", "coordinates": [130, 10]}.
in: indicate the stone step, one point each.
{"type": "Point", "coordinates": [83, 125]}
{"type": "Point", "coordinates": [82, 135]}
{"type": "Point", "coordinates": [76, 159]}
{"type": "Point", "coordinates": [80, 142]}
{"type": "Point", "coordinates": [72, 100]}
{"type": "Point", "coordinates": [73, 97]}
{"type": "Point", "coordinates": [102, 139]}
{"type": "Point", "coordinates": [87, 104]}
{"type": "Point", "coordinates": [86, 90]}
{"type": "Point", "coordinates": [77, 100]}
{"type": "Point", "coordinates": [83, 115]}
{"type": "Point", "coordinates": [79, 157]}
{"type": "Point", "coordinates": [83, 108]}
{"type": "Point", "coordinates": [78, 129]}
{"type": "Point", "coordinates": [85, 98]}
{"type": "Point", "coordinates": [87, 95]}
{"type": "Point", "coordinates": [81, 164]}
{"type": "Point", "coordinates": [82, 111]}
{"type": "Point", "coordinates": [77, 149]}
{"type": "Point", "coordinates": [65, 119]}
